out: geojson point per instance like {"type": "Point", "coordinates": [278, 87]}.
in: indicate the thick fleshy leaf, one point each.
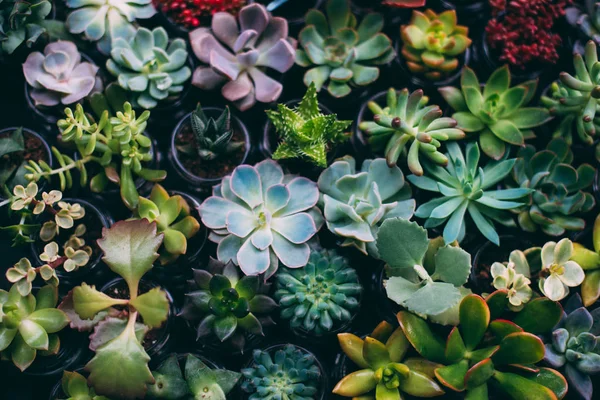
{"type": "Point", "coordinates": [452, 265]}
{"type": "Point", "coordinates": [34, 335]}
{"type": "Point", "coordinates": [519, 348]}
{"type": "Point", "coordinates": [474, 320]}
{"type": "Point", "coordinates": [479, 373]}
{"type": "Point", "coordinates": [51, 319]}
{"type": "Point", "coordinates": [402, 243]}
{"type": "Point", "coordinates": [88, 301]}
{"type": "Point", "coordinates": [352, 346]}
{"type": "Point", "coordinates": [522, 388]}
{"type": "Point", "coordinates": [539, 316]}
{"type": "Point", "coordinates": [419, 334]}
{"type": "Point", "coordinates": [420, 385]}
{"type": "Point", "coordinates": [356, 383]}
{"type": "Point", "coordinates": [453, 376]}
{"type": "Point", "coordinates": [153, 307]}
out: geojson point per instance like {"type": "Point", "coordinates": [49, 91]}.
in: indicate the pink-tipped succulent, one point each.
{"type": "Point", "coordinates": [237, 52]}
{"type": "Point", "coordinates": [58, 75]}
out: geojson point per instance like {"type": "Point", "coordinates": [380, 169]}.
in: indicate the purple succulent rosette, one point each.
{"type": "Point", "coordinates": [58, 75]}
{"type": "Point", "coordinates": [237, 55]}
{"type": "Point", "coordinates": [259, 217]}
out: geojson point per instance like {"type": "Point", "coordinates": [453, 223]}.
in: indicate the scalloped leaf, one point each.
{"type": "Point", "coordinates": [153, 306]}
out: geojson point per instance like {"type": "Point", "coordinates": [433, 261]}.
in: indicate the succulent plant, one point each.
{"type": "Point", "coordinates": [75, 386]}
{"type": "Point", "coordinates": [197, 381]}
{"type": "Point", "coordinates": [22, 21]}
{"type": "Point", "coordinates": [304, 132]}
{"type": "Point", "coordinates": [149, 66]}
{"type": "Point", "coordinates": [574, 99]}
{"type": "Point", "coordinates": [59, 76]}
{"type": "Point", "coordinates": [424, 276]}
{"type": "Point", "coordinates": [260, 217]}
{"type": "Point", "coordinates": [404, 3]}
{"type": "Point", "coordinates": [433, 42]}
{"type": "Point", "coordinates": [384, 372]}
{"type": "Point", "coordinates": [465, 186]}
{"type": "Point", "coordinates": [238, 55]}
{"type": "Point", "coordinates": [589, 260]}
{"type": "Point", "coordinates": [355, 203]}
{"type": "Point", "coordinates": [585, 17]}
{"type": "Point", "coordinates": [29, 325]}
{"type": "Point", "coordinates": [485, 350]}
{"type": "Point", "coordinates": [117, 144]}
{"type": "Point", "coordinates": [287, 373]}
{"type": "Point", "coordinates": [559, 199]}
{"type": "Point", "coordinates": [514, 276]}
{"type": "Point", "coordinates": [320, 296]}
{"type": "Point", "coordinates": [407, 118]}
{"type": "Point", "coordinates": [340, 52]}
{"type": "Point", "coordinates": [173, 219]}
{"type": "Point", "coordinates": [12, 169]}
{"type": "Point", "coordinates": [499, 115]}
{"type": "Point", "coordinates": [130, 250]}
{"type": "Point", "coordinates": [104, 21]}
{"type": "Point", "coordinates": [212, 137]}
{"type": "Point", "coordinates": [227, 306]}
{"type": "Point", "coordinates": [559, 272]}
{"type": "Point", "coordinates": [575, 345]}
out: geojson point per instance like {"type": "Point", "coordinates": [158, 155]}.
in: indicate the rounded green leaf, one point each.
{"type": "Point", "coordinates": [479, 373]}
{"type": "Point", "coordinates": [51, 319]}
{"type": "Point", "coordinates": [402, 243]}
{"type": "Point", "coordinates": [455, 347]}
{"type": "Point", "coordinates": [453, 376]}
{"type": "Point", "coordinates": [34, 335]}
{"type": "Point", "coordinates": [375, 353]}
{"type": "Point", "coordinates": [518, 387]}
{"type": "Point", "coordinates": [420, 385]}
{"type": "Point", "coordinates": [356, 383]}
{"type": "Point", "coordinates": [22, 355]}
{"type": "Point", "coordinates": [418, 333]}
{"type": "Point", "coordinates": [539, 316]}
{"type": "Point", "coordinates": [519, 348]}
{"type": "Point", "coordinates": [352, 346]}
{"type": "Point", "coordinates": [474, 320]}
{"type": "Point", "coordinates": [590, 288]}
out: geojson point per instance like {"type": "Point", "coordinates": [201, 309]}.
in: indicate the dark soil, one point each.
{"type": "Point", "coordinates": [211, 169]}
{"type": "Point", "coordinates": [34, 150]}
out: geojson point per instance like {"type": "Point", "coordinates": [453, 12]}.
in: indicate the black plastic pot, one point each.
{"type": "Point", "coordinates": [95, 271]}
{"type": "Point", "coordinates": [385, 308]}
{"type": "Point", "coordinates": [293, 12]}
{"type": "Point", "coordinates": [323, 390]}
{"type": "Point", "coordinates": [161, 344]}
{"type": "Point", "coordinates": [49, 158]}
{"type": "Point", "coordinates": [469, 12]}
{"type": "Point", "coordinates": [191, 182]}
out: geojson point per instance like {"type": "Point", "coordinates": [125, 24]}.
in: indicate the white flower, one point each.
{"type": "Point", "coordinates": [560, 272]}
{"type": "Point", "coordinates": [506, 277]}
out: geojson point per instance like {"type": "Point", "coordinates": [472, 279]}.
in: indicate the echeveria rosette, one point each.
{"type": "Point", "coordinates": [575, 346]}
{"type": "Point", "coordinates": [424, 276]}
{"type": "Point", "coordinates": [196, 380]}
{"type": "Point", "coordinates": [103, 21]}
{"type": "Point", "coordinates": [486, 352]}
{"type": "Point", "coordinates": [29, 325]}
{"type": "Point", "coordinates": [465, 186]}
{"type": "Point", "coordinates": [356, 203]}
{"type": "Point", "coordinates": [559, 272]}
{"type": "Point", "coordinates": [338, 51]}
{"type": "Point", "coordinates": [22, 21]}
{"type": "Point", "coordinates": [498, 114]}
{"type": "Point", "coordinates": [384, 372]}
{"type": "Point", "coordinates": [407, 125]}
{"type": "Point", "coordinates": [321, 296]}
{"type": "Point", "coordinates": [58, 76]}
{"type": "Point", "coordinates": [589, 260]}
{"type": "Point", "coordinates": [75, 386]}
{"type": "Point", "coordinates": [238, 53]}
{"type": "Point", "coordinates": [259, 217]}
{"type": "Point", "coordinates": [227, 306]}
{"type": "Point", "coordinates": [559, 199]}
{"type": "Point", "coordinates": [432, 43]}
{"type": "Point", "coordinates": [149, 66]}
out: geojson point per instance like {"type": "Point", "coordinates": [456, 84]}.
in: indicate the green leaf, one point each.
{"type": "Point", "coordinates": [34, 335]}
{"type": "Point", "coordinates": [130, 248]}
{"type": "Point", "coordinates": [433, 298]}
{"type": "Point", "coordinates": [507, 132]}
{"type": "Point", "coordinates": [375, 353]}
{"type": "Point", "coordinates": [518, 387]}
{"type": "Point", "coordinates": [479, 373]}
{"type": "Point", "coordinates": [21, 354]}
{"type": "Point", "coordinates": [75, 385]}
{"type": "Point", "coordinates": [453, 376]}
{"type": "Point", "coordinates": [401, 243]}
{"type": "Point", "coordinates": [551, 379]}
{"type": "Point", "coordinates": [539, 316]}
{"type": "Point", "coordinates": [356, 384]}
{"type": "Point", "coordinates": [399, 289]}
{"type": "Point", "coordinates": [519, 348]}
{"type": "Point", "coordinates": [497, 303]}
{"type": "Point", "coordinates": [455, 347]}
{"type": "Point", "coordinates": [88, 301]}
{"type": "Point", "coordinates": [153, 306]}
{"type": "Point", "coordinates": [498, 82]}
{"type": "Point", "coordinates": [419, 334]}
{"type": "Point", "coordinates": [352, 346]}
{"type": "Point", "coordinates": [420, 385]}
{"type": "Point", "coordinates": [474, 320]}
{"type": "Point", "coordinates": [590, 288]}
{"type": "Point", "coordinates": [51, 319]}
{"type": "Point", "coordinates": [120, 367]}
{"type": "Point", "coordinates": [452, 265]}
{"type": "Point", "coordinates": [224, 327]}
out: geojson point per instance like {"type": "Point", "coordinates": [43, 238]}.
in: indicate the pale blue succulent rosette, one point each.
{"type": "Point", "coordinates": [357, 202]}
{"type": "Point", "coordinates": [259, 217]}
{"type": "Point", "coordinates": [103, 21]}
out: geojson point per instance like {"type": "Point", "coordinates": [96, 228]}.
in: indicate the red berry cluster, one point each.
{"type": "Point", "coordinates": [522, 30]}
{"type": "Point", "coordinates": [191, 13]}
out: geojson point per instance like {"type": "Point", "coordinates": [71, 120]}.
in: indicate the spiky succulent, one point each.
{"type": "Point", "coordinates": [486, 352]}
{"type": "Point", "coordinates": [498, 114]}
{"type": "Point", "coordinates": [304, 132]}
{"type": "Point", "coordinates": [22, 21]}
{"type": "Point", "coordinates": [29, 325]}
{"type": "Point", "coordinates": [433, 42]}
{"type": "Point", "coordinates": [173, 219]}
{"type": "Point", "coordinates": [465, 186]}
{"type": "Point", "coordinates": [407, 118]}
{"type": "Point", "coordinates": [237, 54]}
{"type": "Point", "coordinates": [575, 346]}
{"type": "Point", "coordinates": [259, 217]}
{"type": "Point", "coordinates": [559, 198]}
{"type": "Point", "coordinates": [384, 372]}
{"type": "Point", "coordinates": [356, 203]}
{"type": "Point", "coordinates": [338, 51]}
{"type": "Point", "coordinates": [149, 66]}
{"type": "Point", "coordinates": [75, 386]}
{"type": "Point", "coordinates": [226, 306]}
{"type": "Point", "coordinates": [284, 372]}
{"type": "Point", "coordinates": [212, 137]}
{"type": "Point", "coordinates": [589, 260]}
{"type": "Point", "coordinates": [323, 294]}
{"type": "Point", "coordinates": [574, 99]}
{"type": "Point", "coordinates": [196, 381]}
{"type": "Point", "coordinates": [59, 76]}
{"type": "Point", "coordinates": [103, 21]}
{"type": "Point", "coordinates": [585, 16]}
